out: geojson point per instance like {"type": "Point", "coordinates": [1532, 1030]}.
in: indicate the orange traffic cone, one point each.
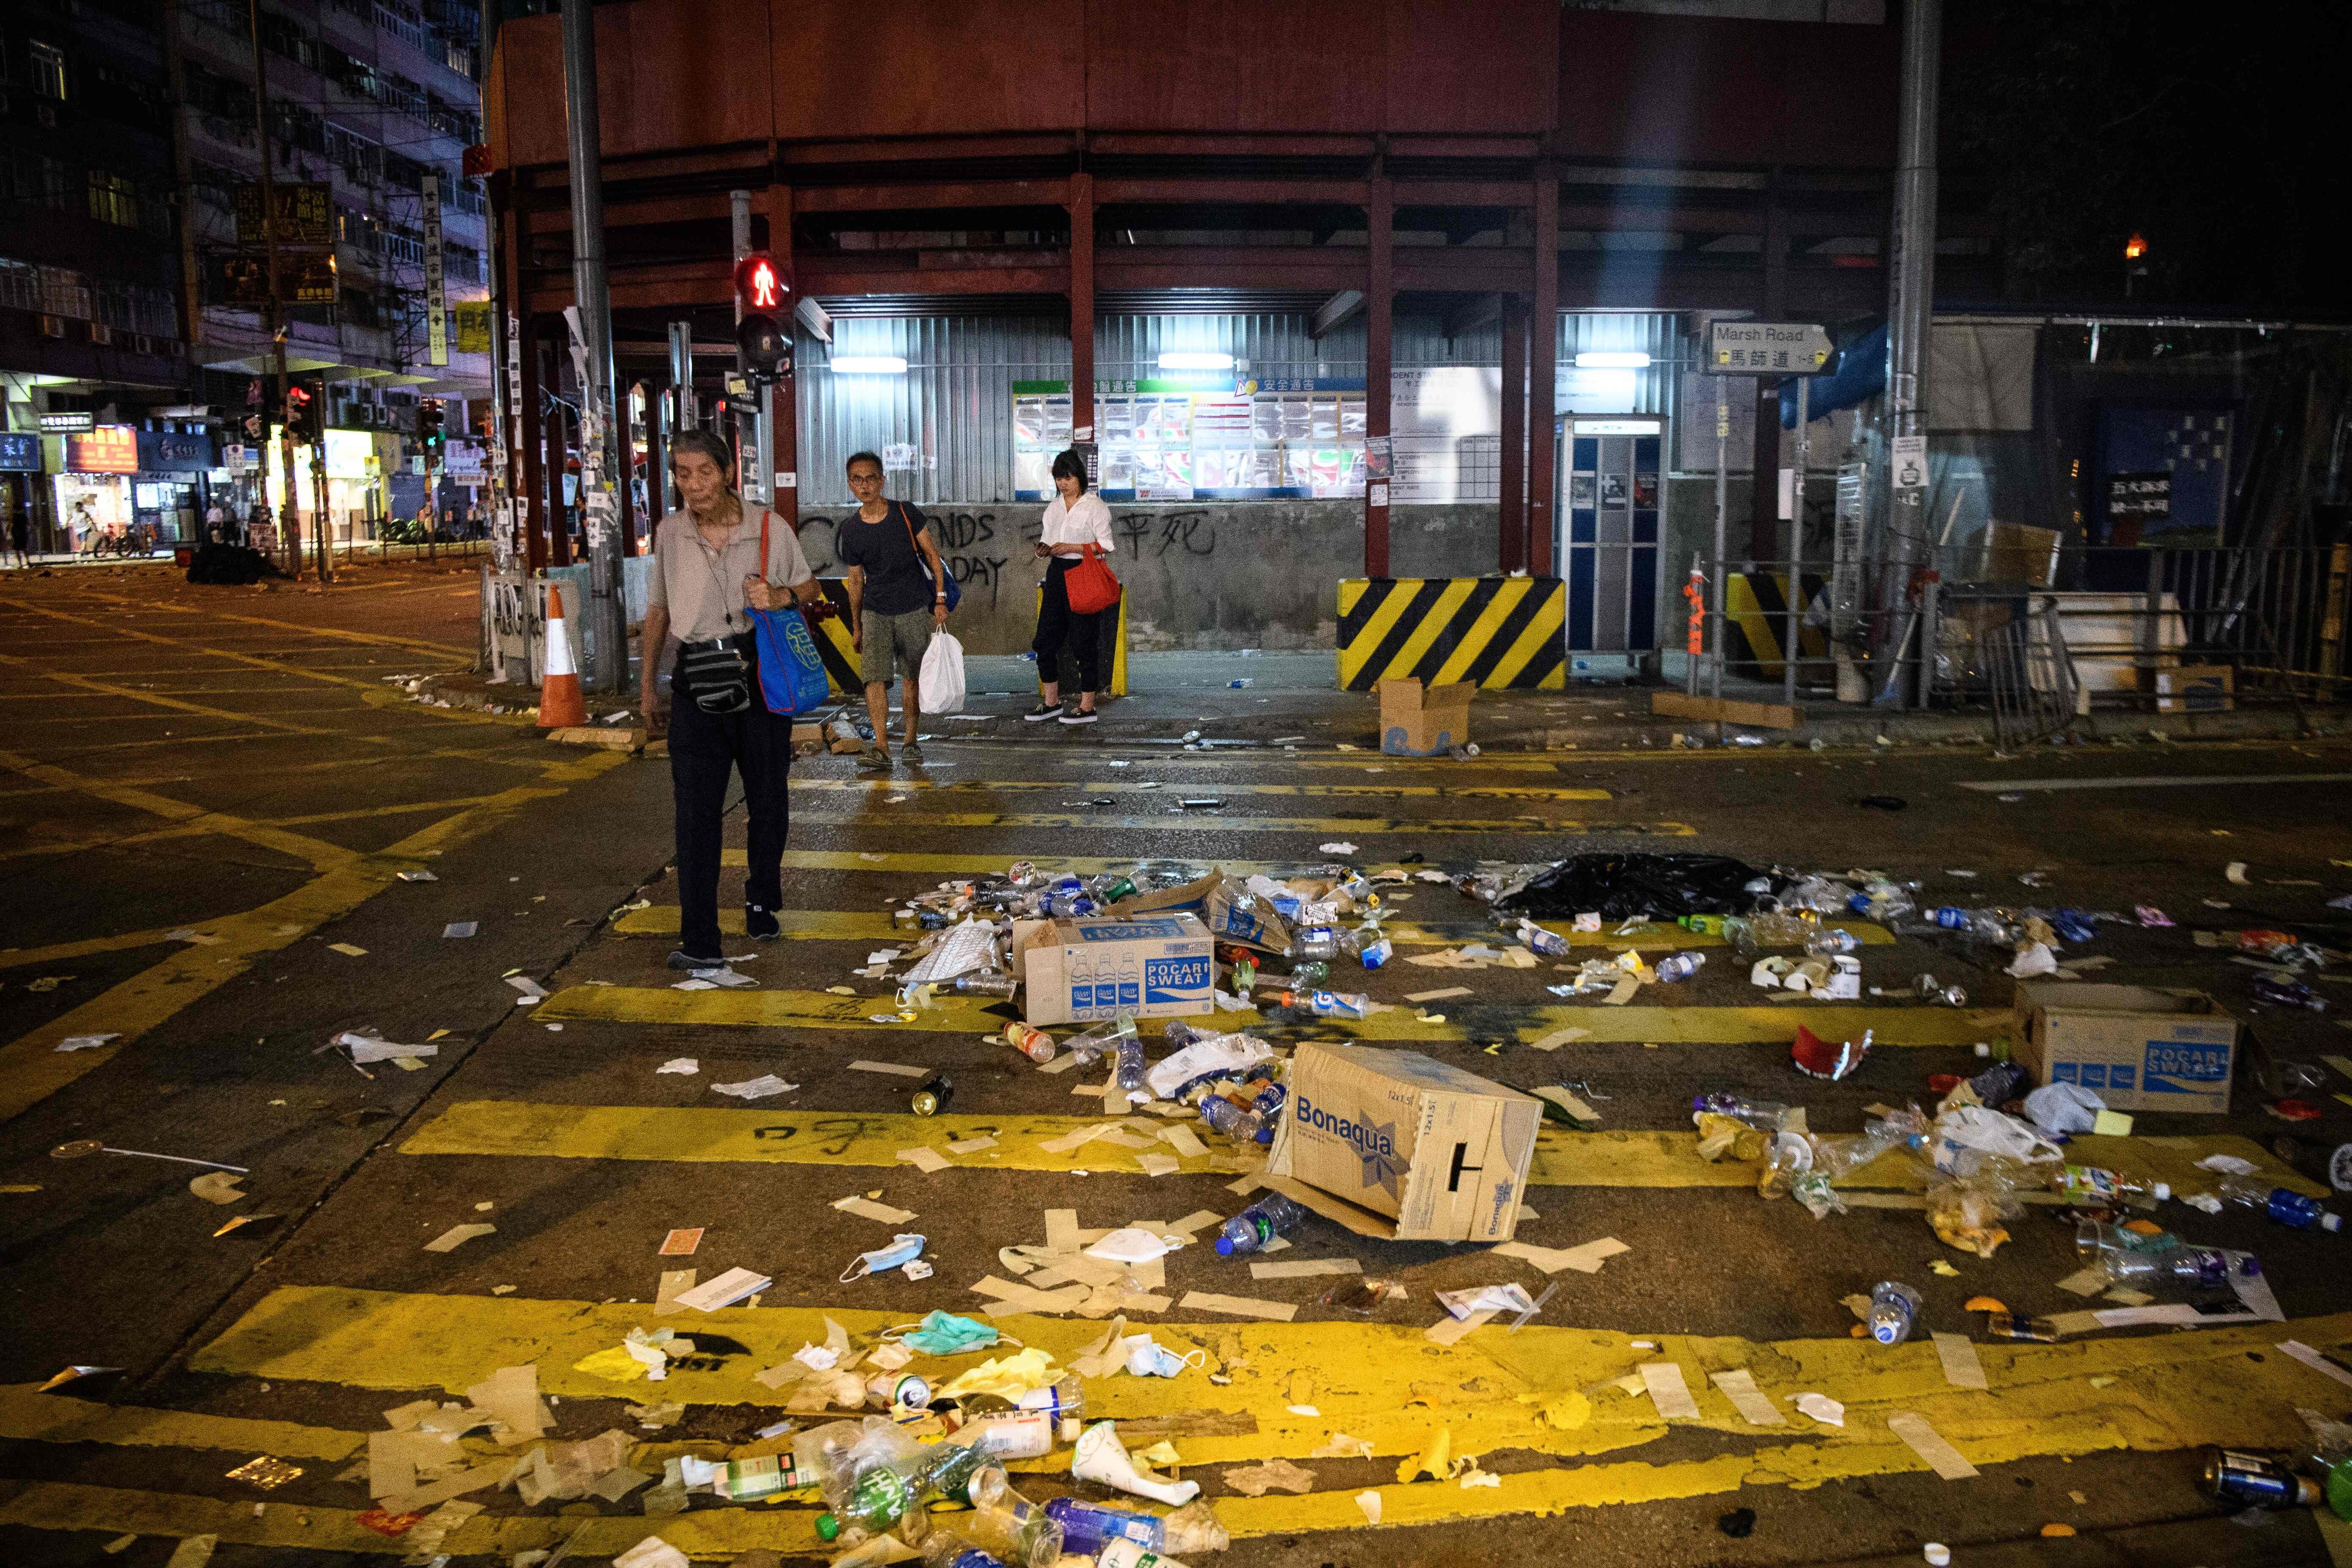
{"type": "Point", "coordinates": [560, 706]}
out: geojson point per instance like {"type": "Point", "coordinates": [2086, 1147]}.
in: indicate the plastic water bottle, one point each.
{"type": "Point", "coordinates": [1376, 951]}
{"type": "Point", "coordinates": [1241, 1123]}
{"type": "Point", "coordinates": [1251, 1230]}
{"type": "Point", "coordinates": [1679, 967]}
{"type": "Point", "coordinates": [946, 1551]}
{"type": "Point", "coordinates": [1031, 1042]}
{"type": "Point", "coordinates": [1764, 1114]}
{"type": "Point", "coordinates": [1328, 1003]}
{"type": "Point", "coordinates": [986, 982]}
{"type": "Point", "coordinates": [1550, 945]}
{"type": "Point", "coordinates": [1893, 1309]}
{"type": "Point", "coordinates": [1179, 1034]}
{"type": "Point", "coordinates": [1319, 941]}
{"type": "Point", "coordinates": [2287, 1208]}
{"type": "Point", "coordinates": [1088, 1045]}
{"type": "Point", "coordinates": [1131, 1067]}
{"type": "Point", "coordinates": [1829, 939]}
{"type": "Point", "coordinates": [1950, 917]}
{"type": "Point", "coordinates": [1089, 1527]}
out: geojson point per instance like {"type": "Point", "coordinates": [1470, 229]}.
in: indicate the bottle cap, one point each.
{"type": "Point", "coordinates": [827, 1527]}
{"type": "Point", "coordinates": [1225, 1246]}
{"type": "Point", "coordinates": [2329, 1221]}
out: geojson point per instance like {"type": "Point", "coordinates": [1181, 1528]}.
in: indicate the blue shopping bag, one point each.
{"type": "Point", "coordinates": [791, 675]}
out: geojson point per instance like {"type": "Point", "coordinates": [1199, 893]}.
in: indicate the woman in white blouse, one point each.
{"type": "Point", "coordinates": [1074, 520]}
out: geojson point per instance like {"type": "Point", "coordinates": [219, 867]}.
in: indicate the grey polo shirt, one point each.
{"type": "Point", "coordinates": [702, 588]}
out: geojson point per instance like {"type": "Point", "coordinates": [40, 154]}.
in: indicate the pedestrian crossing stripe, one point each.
{"type": "Point", "coordinates": [715, 1134]}
{"type": "Point", "coordinates": [1489, 631]}
{"type": "Point", "coordinates": [1196, 822]}
{"type": "Point", "coordinates": [868, 784]}
{"type": "Point", "coordinates": [1384, 1384]}
{"type": "Point", "coordinates": [859, 925]}
{"type": "Point", "coordinates": [786, 1008]}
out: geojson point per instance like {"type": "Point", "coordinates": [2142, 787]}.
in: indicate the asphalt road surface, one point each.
{"type": "Point", "coordinates": [207, 800]}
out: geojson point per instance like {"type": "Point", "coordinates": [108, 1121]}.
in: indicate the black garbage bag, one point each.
{"type": "Point", "coordinates": [236, 565]}
{"type": "Point", "coordinates": [1622, 886]}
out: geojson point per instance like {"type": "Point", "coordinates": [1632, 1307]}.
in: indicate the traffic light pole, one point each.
{"type": "Point", "coordinates": [753, 459]}
{"type": "Point", "coordinates": [290, 531]}
{"type": "Point", "coordinates": [609, 668]}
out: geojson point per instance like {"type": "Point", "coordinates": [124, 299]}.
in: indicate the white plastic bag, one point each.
{"type": "Point", "coordinates": [942, 677]}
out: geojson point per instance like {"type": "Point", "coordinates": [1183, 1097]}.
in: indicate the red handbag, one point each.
{"type": "Point", "coordinates": [1090, 585]}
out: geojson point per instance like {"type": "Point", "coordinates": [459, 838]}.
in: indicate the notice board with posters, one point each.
{"type": "Point", "coordinates": [2162, 476]}
{"type": "Point", "coordinates": [1202, 437]}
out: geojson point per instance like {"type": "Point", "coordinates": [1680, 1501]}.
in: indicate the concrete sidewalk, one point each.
{"type": "Point", "coordinates": [1291, 699]}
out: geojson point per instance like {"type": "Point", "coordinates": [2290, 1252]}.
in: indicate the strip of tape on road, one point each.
{"type": "Point", "coordinates": [2148, 780]}
{"type": "Point", "coordinates": [853, 925]}
{"type": "Point", "coordinates": [1384, 1384]}
{"type": "Point", "coordinates": [1201, 822]}
{"type": "Point", "coordinates": [1891, 1024]}
{"type": "Point", "coordinates": [715, 1134]}
{"type": "Point", "coordinates": [866, 785]}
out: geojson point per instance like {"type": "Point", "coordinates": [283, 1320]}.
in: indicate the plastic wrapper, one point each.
{"type": "Point", "coordinates": [1719, 1136]}
{"type": "Point", "coordinates": [1966, 1211]}
{"type": "Point", "coordinates": [1622, 886]}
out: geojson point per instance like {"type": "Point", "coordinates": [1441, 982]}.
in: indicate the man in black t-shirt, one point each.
{"type": "Point", "coordinates": [897, 597]}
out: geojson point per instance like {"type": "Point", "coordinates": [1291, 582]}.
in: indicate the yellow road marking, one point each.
{"type": "Point", "coordinates": [708, 1134]}
{"type": "Point", "coordinates": [373, 639]}
{"type": "Point", "coordinates": [21, 957]}
{"type": "Point", "coordinates": [1893, 1026]}
{"type": "Point", "coordinates": [31, 1067]}
{"type": "Point", "coordinates": [117, 629]}
{"type": "Point", "coordinates": [154, 699]}
{"type": "Point", "coordinates": [188, 820]}
{"type": "Point", "coordinates": [27, 1414]}
{"type": "Point", "coordinates": [864, 786]}
{"type": "Point", "coordinates": [858, 925]}
{"type": "Point", "coordinates": [1392, 1387]}
{"type": "Point", "coordinates": [1194, 822]}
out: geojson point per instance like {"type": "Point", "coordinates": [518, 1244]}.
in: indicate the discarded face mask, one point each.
{"type": "Point", "coordinates": [1816, 1058]}
{"type": "Point", "coordinates": [944, 1333]}
{"type": "Point", "coordinates": [904, 1250]}
{"type": "Point", "coordinates": [1146, 1358]}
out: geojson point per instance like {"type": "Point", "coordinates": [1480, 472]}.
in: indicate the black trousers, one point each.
{"type": "Point", "coordinates": [703, 748]}
{"type": "Point", "coordinates": [1057, 624]}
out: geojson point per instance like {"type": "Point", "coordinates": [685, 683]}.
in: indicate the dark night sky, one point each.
{"type": "Point", "coordinates": [2215, 131]}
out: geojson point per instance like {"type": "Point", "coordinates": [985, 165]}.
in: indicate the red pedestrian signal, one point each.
{"type": "Point", "coordinates": [759, 287]}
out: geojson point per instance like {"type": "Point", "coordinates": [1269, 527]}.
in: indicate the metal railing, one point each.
{"type": "Point", "coordinates": [2096, 627]}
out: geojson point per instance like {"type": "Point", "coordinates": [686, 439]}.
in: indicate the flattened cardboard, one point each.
{"type": "Point", "coordinates": [1157, 967]}
{"type": "Point", "coordinates": [1423, 722]}
{"type": "Point", "coordinates": [1398, 1145]}
{"type": "Point", "coordinates": [2136, 1047]}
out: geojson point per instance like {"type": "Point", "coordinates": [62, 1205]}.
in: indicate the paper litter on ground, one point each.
{"type": "Point", "coordinates": [1449, 1331]}
{"type": "Point", "coordinates": [760, 1087]}
{"type": "Point", "coordinates": [1238, 1306]}
{"type": "Point", "coordinates": [1584, 1259]}
{"type": "Point", "coordinates": [1439, 995]}
{"type": "Point", "coordinates": [1668, 1392]}
{"type": "Point", "coordinates": [1822, 1408]}
{"type": "Point", "coordinates": [1925, 1441]}
{"type": "Point", "coordinates": [665, 1294]}
{"type": "Point", "coordinates": [1304, 1268]}
{"type": "Point", "coordinates": [866, 1208]}
{"type": "Point", "coordinates": [680, 1065]}
{"type": "Point", "coordinates": [1738, 1385]}
{"type": "Point", "coordinates": [85, 1042]}
{"type": "Point", "coordinates": [928, 1161]}
{"type": "Point", "coordinates": [728, 1288]}
{"type": "Point", "coordinates": [972, 1145]}
{"type": "Point", "coordinates": [218, 1187]}
{"type": "Point", "coordinates": [681, 1243]}
{"type": "Point", "coordinates": [456, 1235]}
{"type": "Point", "coordinates": [898, 1070]}
{"type": "Point", "coordinates": [367, 1048]}
{"type": "Point", "coordinates": [1962, 1369]}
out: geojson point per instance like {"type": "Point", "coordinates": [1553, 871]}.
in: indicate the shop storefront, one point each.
{"type": "Point", "coordinates": [22, 492]}
{"type": "Point", "coordinates": [355, 488]}
{"type": "Point", "coordinates": [169, 493]}
{"type": "Point", "coordinates": [92, 491]}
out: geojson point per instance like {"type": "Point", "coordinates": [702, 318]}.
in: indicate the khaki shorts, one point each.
{"type": "Point", "coordinates": [894, 639]}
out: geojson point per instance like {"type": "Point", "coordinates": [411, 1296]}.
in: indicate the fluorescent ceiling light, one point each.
{"type": "Point", "coordinates": [1188, 361]}
{"type": "Point", "coordinates": [1612, 358]}
{"type": "Point", "coordinates": [868, 364]}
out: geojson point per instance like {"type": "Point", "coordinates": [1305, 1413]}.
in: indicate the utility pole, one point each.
{"type": "Point", "coordinates": [289, 520]}
{"type": "Point", "coordinates": [593, 304]}
{"type": "Point", "coordinates": [754, 458]}
{"type": "Point", "coordinates": [1910, 308]}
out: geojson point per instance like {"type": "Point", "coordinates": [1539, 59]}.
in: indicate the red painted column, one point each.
{"type": "Point", "coordinates": [1082, 305]}
{"type": "Point", "coordinates": [1513, 552]}
{"type": "Point", "coordinates": [1380, 298]}
{"type": "Point", "coordinates": [1543, 385]}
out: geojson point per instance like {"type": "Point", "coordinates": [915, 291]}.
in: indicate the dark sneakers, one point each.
{"type": "Point", "coordinates": [760, 924]}
{"type": "Point", "coordinates": [1043, 711]}
{"type": "Point", "coordinates": [681, 958]}
{"type": "Point", "coordinates": [1079, 716]}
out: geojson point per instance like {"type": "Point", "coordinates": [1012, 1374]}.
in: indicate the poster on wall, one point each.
{"type": "Point", "coordinates": [1205, 437]}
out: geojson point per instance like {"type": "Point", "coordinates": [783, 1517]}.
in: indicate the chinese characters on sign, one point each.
{"type": "Point", "coordinates": [306, 212]}
{"type": "Point", "coordinates": [1766, 348]}
{"type": "Point", "coordinates": [437, 303]}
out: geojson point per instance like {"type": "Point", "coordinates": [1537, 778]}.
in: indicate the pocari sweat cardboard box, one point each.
{"type": "Point", "coordinates": [1395, 1144]}
{"type": "Point", "coordinates": [2137, 1049]}
{"type": "Point", "coordinates": [1080, 971]}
